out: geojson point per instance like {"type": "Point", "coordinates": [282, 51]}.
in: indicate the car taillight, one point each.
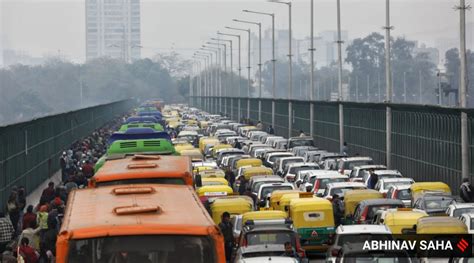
{"type": "Point", "coordinates": [364, 215]}
{"type": "Point", "coordinates": [395, 194]}
{"type": "Point", "coordinates": [316, 186]}
{"type": "Point", "coordinates": [335, 252]}
{"type": "Point", "coordinates": [341, 171]}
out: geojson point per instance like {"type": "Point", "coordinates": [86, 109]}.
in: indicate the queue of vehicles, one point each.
{"type": "Point", "coordinates": [160, 199]}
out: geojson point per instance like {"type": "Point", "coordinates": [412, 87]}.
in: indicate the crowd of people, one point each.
{"type": "Point", "coordinates": [28, 232]}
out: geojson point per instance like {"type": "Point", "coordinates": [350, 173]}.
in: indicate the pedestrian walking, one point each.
{"type": "Point", "coordinates": [6, 231]}
{"type": "Point", "coordinates": [466, 191]}
{"type": "Point", "coordinates": [338, 209]}
{"type": "Point", "coordinates": [227, 230]}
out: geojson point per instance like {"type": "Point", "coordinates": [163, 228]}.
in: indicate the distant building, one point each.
{"type": "Point", "coordinates": [113, 29]}
{"type": "Point", "coordinates": [433, 53]}
{"type": "Point", "coordinates": [326, 48]}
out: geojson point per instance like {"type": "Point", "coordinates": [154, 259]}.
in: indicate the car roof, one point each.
{"type": "Point", "coordinates": [301, 164]}
{"type": "Point", "coordinates": [382, 201]}
{"type": "Point", "coordinates": [374, 166]}
{"type": "Point", "coordinates": [384, 172]}
{"type": "Point", "coordinates": [400, 179]}
{"type": "Point", "coordinates": [469, 215]}
{"type": "Point", "coordinates": [345, 184]}
{"type": "Point", "coordinates": [363, 229]}
{"type": "Point", "coordinates": [264, 178]}
{"type": "Point", "coordinates": [461, 205]}
{"type": "Point", "coordinates": [361, 158]}
{"type": "Point", "coordinates": [325, 174]}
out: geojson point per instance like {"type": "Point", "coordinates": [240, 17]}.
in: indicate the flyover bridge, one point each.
{"type": "Point", "coordinates": [425, 140]}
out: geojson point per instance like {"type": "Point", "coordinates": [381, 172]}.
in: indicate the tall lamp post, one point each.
{"type": "Point", "coordinates": [225, 73]}
{"type": "Point", "coordinates": [290, 69]}
{"type": "Point", "coordinates": [248, 67]}
{"type": "Point", "coordinates": [272, 15]}
{"type": "Point", "coordinates": [205, 57]}
{"type": "Point", "coordinates": [388, 77]}
{"type": "Point", "coordinates": [311, 92]}
{"type": "Point", "coordinates": [339, 77]}
{"type": "Point", "coordinates": [259, 63]}
{"type": "Point", "coordinates": [229, 88]}
{"type": "Point", "coordinates": [239, 69]}
{"type": "Point", "coordinates": [212, 91]}
{"type": "Point", "coordinates": [208, 77]}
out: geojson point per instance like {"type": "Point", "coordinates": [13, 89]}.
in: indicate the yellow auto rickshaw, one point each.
{"type": "Point", "coordinates": [210, 191]}
{"type": "Point", "coordinates": [440, 225]}
{"type": "Point", "coordinates": [200, 169]}
{"type": "Point", "coordinates": [419, 188]}
{"type": "Point", "coordinates": [205, 141]}
{"type": "Point", "coordinates": [253, 162]}
{"type": "Point", "coordinates": [285, 200]}
{"type": "Point", "coordinates": [276, 196]}
{"type": "Point", "coordinates": [353, 197]}
{"type": "Point", "coordinates": [313, 219]}
{"type": "Point", "coordinates": [402, 218]}
{"type": "Point", "coordinates": [235, 205]}
{"type": "Point", "coordinates": [203, 124]}
{"type": "Point", "coordinates": [212, 173]}
{"type": "Point", "coordinates": [214, 181]}
{"type": "Point", "coordinates": [263, 215]}
{"type": "Point", "coordinates": [249, 172]}
{"type": "Point", "coordinates": [183, 146]}
{"type": "Point", "coordinates": [194, 154]}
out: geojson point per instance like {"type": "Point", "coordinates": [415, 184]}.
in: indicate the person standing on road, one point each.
{"type": "Point", "coordinates": [302, 134]}
{"type": "Point", "coordinates": [345, 149]}
{"type": "Point", "coordinates": [338, 209]}
{"type": "Point", "coordinates": [270, 130]}
{"type": "Point", "coordinates": [6, 231]}
{"type": "Point", "coordinates": [260, 126]}
{"type": "Point", "coordinates": [226, 228]}
{"type": "Point", "coordinates": [466, 190]}
{"type": "Point", "coordinates": [373, 179]}
{"type": "Point", "coordinates": [237, 144]}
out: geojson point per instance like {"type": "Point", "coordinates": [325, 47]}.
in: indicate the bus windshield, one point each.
{"type": "Point", "coordinates": [143, 249]}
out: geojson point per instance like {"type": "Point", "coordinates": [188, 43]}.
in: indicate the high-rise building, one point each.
{"type": "Point", "coordinates": [113, 29]}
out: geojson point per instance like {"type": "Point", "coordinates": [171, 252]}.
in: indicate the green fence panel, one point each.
{"type": "Point", "coordinates": [281, 117]}
{"type": "Point", "coordinates": [29, 151]}
{"type": "Point", "coordinates": [364, 130]}
{"type": "Point", "coordinates": [254, 110]}
{"type": "Point", "coordinates": [243, 107]}
{"type": "Point", "coordinates": [326, 125]}
{"type": "Point", "coordinates": [266, 112]}
{"type": "Point", "coordinates": [300, 117]}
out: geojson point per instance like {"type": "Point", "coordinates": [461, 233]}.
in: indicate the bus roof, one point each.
{"type": "Point", "coordinates": [99, 212]}
{"type": "Point", "coordinates": [145, 166]}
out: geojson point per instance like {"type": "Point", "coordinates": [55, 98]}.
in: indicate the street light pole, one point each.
{"type": "Point", "coordinates": [225, 72]}
{"type": "Point", "coordinates": [213, 87]}
{"type": "Point", "coordinates": [463, 91]}
{"type": "Point", "coordinates": [388, 77]}
{"type": "Point", "coordinates": [206, 57]}
{"type": "Point", "coordinates": [218, 79]}
{"type": "Point", "coordinates": [272, 15]}
{"type": "Point", "coordinates": [248, 67]}
{"type": "Point", "coordinates": [229, 89]}
{"type": "Point", "coordinates": [339, 76]}
{"type": "Point", "coordinates": [240, 72]}
{"type": "Point", "coordinates": [290, 68]}
{"type": "Point", "coordinates": [311, 92]}
{"type": "Point", "coordinates": [259, 63]}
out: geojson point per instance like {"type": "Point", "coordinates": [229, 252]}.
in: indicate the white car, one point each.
{"type": "Point", "coordinates": [346, 164]}
{"type": "Point", "coordinates": [280, 164]}
{"type": "Point", "coordinates": [401, 192]}
{"type": "Point", "coordinates": [358, 172]}
{"type": "Point", "coordinates": [266, 190]}
{"type": "Point", "coordinates": [382, 174]}
{"type": "Point", "coordinates": [291, 170]}
{"type": "Point", "coordinates": [346, 234]}
{"type": "Point", "coordinates": [385, 183]}
{"type": "Point", "coordinates": [467, 220]}
{"type": "Point", "coordinates": [457, 209]}
{"type": "Point", "coordinates": [341, 188]}
{"type": "Point", "coordinates": [272, 157]}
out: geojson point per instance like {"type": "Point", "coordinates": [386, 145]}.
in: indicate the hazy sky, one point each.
{"type": "Point", "coordinates": [41, 27]}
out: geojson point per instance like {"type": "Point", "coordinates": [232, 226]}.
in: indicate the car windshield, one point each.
{"type": "Point", "coordinates": [292, 160]}
{"type": "Point", "coordinates": [269, 189]}
{"type": "Point", "coordinates": [301, 143]}
{"type": "Point", "coordinates": [323, 182]}
{"type": "Point", "coordinates": [257, 185]}
{"type": "Point", "coordinates": [263, 254]}
{"type": "Point", "coordinates": [177, 181]}
{"type": "Point", "coordinates": [387, 185]}
{"type": "Point", "coordinates": [349, 239]}
{"type": "Point", "coordinates": [274, 157]}
{"type": "Point", "coordinates": [458, 212]}
{"type": "Point", "coordinates": [142, 249]}
{"type": "Point", "coordinates": [341, 191]}
{"type": "Point", "coordinates": [403, 194]}
{"type": "Point", "coordinates": [295, 170]}
{"type": "Point", "coordinates": [270, 237]}
{"type": "Point", "coordinates": [438, 203]}
{"type": "Point", "coordinates": [373, 209]}
{"type": "Point", "coordinates": [349, 165]}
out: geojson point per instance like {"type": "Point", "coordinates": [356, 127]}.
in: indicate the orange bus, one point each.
{"type": "Point", "coordinates": [144, 223]}
{"type": "Point", "coordinates": [144, 169]}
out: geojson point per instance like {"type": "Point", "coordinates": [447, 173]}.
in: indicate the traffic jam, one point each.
{"type": "Point", "coordinates": [180, 185]}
